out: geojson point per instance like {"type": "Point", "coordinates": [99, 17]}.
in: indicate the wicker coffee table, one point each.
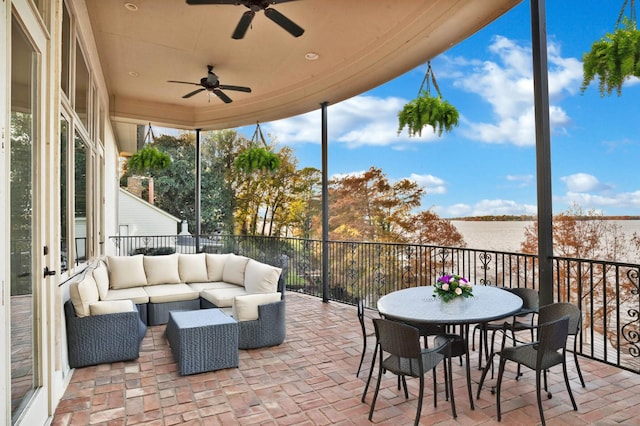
{"type": "Point", "coordinates": [202, 340]}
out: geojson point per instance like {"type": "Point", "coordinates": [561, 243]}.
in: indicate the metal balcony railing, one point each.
{"type": "Point", "coordinates": [608, 293]}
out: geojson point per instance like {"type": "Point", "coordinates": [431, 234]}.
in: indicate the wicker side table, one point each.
{"type": "Point", "coordinates": [202, 340]}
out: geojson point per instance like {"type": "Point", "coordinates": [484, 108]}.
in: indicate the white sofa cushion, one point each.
{"type": "Point", "coordinates": [126, 271]}
{"type": "Point", "coordinates": [170, 293]}
{"type": "Point", "coordinates": [245, 308]}
{"type": "Point", "coordinates": [260, 277]}
{"type": "Point", "coordinates": [233, 271]}
{"type": "Point", "coordinates": [101, 275]}
{"type": "Point", "coordinates": [223, 298]}
{"type": "Point", "coordinates": [210, 286]}
{"type": "Point", "coordinates": [193, 268]}
{"type": "Point", "coordinates": [135, 294]}
{"type": "Point", "coordinates": [162, 269]}
{"type": "Point", "coordinates": [83, 294]}
{"type": "Point", "coordinates": [104, 307]}
{"type": "Point", "coordinates": [215, 265]}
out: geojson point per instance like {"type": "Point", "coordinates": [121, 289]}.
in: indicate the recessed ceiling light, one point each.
{"type": "Point", "coordinates": [134, 73]}
{"type": "Point", "coordinates": [131, 7]}
{"type": "Point", "coordinates": [311, 56]}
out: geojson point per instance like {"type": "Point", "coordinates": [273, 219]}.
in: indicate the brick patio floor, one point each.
{"type": "Point", "coordinates": [310, 380]}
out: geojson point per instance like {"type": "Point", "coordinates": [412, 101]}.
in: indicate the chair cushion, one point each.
{"type": "Point", "coordinates": [104, 307]}
{"type": "Point", "coordinates": [101, 275]}
{"type": "Point", "coordinates": [83, 294]}
{"type": "Point", "coordinates": [211, 286]}
{"type": "Point", "coordinates": [233, 271]}
{"type": "Point", "coordinates": [193, 268]}
{"type": "Point", "coordinates": [215, 265]}
{"type": "Point", "coordinates": [260, 277]}
{"type": "Point", "coordinates": [170, 293]}
{"type": "Point", "coordinates": [126, 271]}
{"type": "Point", "coordinates": [245, 308]}
{"type": "Point", "coordinates": [223, 298]}
{"type": "Point", "coordinates": [162, 269]}
{"type": "Point", "coordinates": [135, 294]}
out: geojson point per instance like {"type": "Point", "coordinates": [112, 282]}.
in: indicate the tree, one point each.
{"type": "Point", "coordinates": [604, 288]}
{"type": "Point", "coordinates": [367, 207]}
{"type": "Point", "coordinates": [430, 229]}
{"type": "Point", "coordinates": [175, 185]}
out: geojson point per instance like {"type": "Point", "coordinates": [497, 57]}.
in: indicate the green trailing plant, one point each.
{"type": "Point", "coordinates": [615, 57]}
{"type": "Point", "coordinates": [257, 157]}
{"type": "Point", "coordinates": [147, 160]}
{"type": "Point", "coordinates": [427, 110]}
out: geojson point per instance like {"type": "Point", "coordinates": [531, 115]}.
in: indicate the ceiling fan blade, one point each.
{"type": "Point", "coordinates": [190, 94]}
{"type": "Point", "coordinates": [286, 23]}
{"type": "Point", "coordinates": [243, 25]}
{"type": "Point", "coordinates": [212, 2]}
{"type": "Point", "coordinates": [183, 82]}
{"type": "Point", "coordinates": [236, 88]}
{"type": "Point", "coordinates": [221, 95]}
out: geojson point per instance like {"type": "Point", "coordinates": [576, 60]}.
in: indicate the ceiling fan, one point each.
{"type": "Point", "coordinates": [212, 84]}
{"type": "Point", "coordinates": [256, 6]}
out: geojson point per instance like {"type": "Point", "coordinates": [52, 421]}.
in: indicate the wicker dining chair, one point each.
{"type": "Point", "coordinates": [547, 351]}
{"type": "Point", "coordinates": [521, 320]}
{"type": "Point", "coordinates": [400, 353]}
{"type": "Point", "coordinates": [557, 310]}
{"type": "Point", "coordinates": [365, 334]}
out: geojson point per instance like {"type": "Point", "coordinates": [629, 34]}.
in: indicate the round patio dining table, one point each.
{"type": "Point", "coordinates": [418, 305]}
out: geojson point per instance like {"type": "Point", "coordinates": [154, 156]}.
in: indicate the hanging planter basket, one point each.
{"type": "Point", "coordinates": [257, 157]}
{"type": "Point", "coordinates": [615, 57]}
{"type": "Point", "coordinates": [427, 110]}
{"type": "Point", "coordinates": [149, 159]}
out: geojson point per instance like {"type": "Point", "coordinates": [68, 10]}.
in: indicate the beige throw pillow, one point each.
{"type": "Point", "coordinates": [105, 307]}
{"type": "Point", "coordinates": [233, 271]}
{"type": "Point", "coordinates": [193, 268]}
{"type": "Point", "coordinates": [83, 294]}
{"type": "Point", "coordinates": [101, 275]}
{"type": "Point", "coordinates": [162, 269]}
{"type": "Point", "coordinates": [245, 308]}
{"type": "Point", "coordinates": [215, 265]}
{"type": "Point", "coordinates": [260, 277]}
{"type": "Point", "coordinates": [126, 271]}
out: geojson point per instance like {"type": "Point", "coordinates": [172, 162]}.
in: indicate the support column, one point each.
{"type": "Point", "coordinates": [543, 150]}
{"type": "Point", "coordinates": [325, 207]}
{"type": "Point", "coordinates": [198, 189]}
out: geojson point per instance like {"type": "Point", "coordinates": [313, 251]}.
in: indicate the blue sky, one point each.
{"type": "Point", "coordinates": [486, 166]}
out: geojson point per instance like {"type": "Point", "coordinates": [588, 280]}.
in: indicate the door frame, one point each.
{"type": "Point", "coordinates": [39, 407]}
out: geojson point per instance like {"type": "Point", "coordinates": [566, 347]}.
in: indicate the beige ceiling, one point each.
{"type": "Point", "coordinates": [361, 44]}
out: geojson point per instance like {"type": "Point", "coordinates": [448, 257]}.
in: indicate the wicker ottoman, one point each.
{"type": "Point", "coordinates": [202, 340]}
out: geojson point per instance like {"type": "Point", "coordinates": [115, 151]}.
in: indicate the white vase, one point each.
{"type": "Point", "coordinates": [455, 306]}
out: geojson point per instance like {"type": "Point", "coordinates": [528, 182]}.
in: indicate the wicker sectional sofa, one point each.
{"type": "Point", "coordinates": [251, 292]}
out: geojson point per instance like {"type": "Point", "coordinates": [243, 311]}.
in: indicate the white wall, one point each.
{"type": "Point", "coordinates": [143, 218]}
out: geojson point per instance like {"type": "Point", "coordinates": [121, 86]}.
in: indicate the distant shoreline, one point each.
{"type": "Point", "coordinates": [523, 218]}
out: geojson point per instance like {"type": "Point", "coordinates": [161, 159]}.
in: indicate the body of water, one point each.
{"type": "Point", "coordinates": [508, 235]}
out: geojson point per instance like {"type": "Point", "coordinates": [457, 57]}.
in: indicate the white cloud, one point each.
{"type": "Point", "coordinates": [361, 120]}
{"type": "Point", "coordinates": [590, 201]}
{"type": "Point", "coordinates": [488, 207]}
{"type": "Point", "coordinates": [507, 85]}
{"type": "Point", "coordinates": [521, 180]}
{"type": "Point", "coordinates": [499, 207]}
{"type": "Point", "coordinates": [583, 182]}
{"type": "Point", "coordinates": [432, 184]}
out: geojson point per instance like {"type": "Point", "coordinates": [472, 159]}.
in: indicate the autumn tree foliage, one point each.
{"type": "Point", "coordinates": [369, 207]}
{"type": "Point", "coordinates": [609, 291]}
{"type": "Point", "coordinates": [431, 229]}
